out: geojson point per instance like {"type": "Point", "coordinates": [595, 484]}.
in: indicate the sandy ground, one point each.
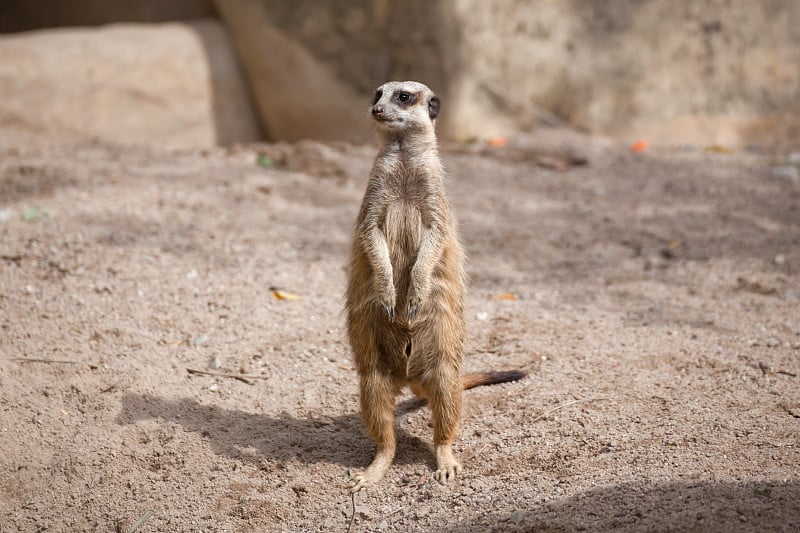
{"type": "Point", "coordinates": [654, 299]}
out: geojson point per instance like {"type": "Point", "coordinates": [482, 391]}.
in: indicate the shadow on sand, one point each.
{"type": "Point", "coordinates": [257, 438]}
{"type": "Point", "coordinates": [680, 506]}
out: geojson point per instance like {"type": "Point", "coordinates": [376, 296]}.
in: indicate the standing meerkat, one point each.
{"type": "Point", "coordinates": [406, 290]}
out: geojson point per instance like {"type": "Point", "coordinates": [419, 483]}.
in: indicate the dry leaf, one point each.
{"type": "Point", "coordinates": [177, 343]}
{"type": "Point", "coordinates": [498, 141]}
{"type": "Point", "coordinates": [505, 296]}
{"type": "Point", "coordinates": [639, 146]}
{"type": "Point", "coordinates": [553, 163]}
{"type": "Point", "coordinates": [283, 295]}
{"type": "Point", "coordinates": [718, 149]}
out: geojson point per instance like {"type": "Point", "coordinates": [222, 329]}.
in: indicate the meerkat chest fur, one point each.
{"type": "Point", "coordinates": [412, 202]}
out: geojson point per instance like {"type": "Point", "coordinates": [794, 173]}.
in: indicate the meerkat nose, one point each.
{"type": "Point", "coordinates": [377, 110]}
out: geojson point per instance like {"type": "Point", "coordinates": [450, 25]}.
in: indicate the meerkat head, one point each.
{"type": "Point", "coordinates": [401, 106]}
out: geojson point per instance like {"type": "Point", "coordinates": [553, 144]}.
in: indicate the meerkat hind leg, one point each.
{"type": "Point", "coordinates": [375, 471]}
{"type": "Point", "coordinates": [377, 411]}
{"type": "Point", "coordinates": [445, 402]}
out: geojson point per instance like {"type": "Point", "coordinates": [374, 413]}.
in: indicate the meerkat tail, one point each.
{"type": "Point", "coordinates": [477, 379]}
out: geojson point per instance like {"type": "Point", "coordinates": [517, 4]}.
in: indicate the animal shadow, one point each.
{"type": "Point", "coordinates": [256, 438]}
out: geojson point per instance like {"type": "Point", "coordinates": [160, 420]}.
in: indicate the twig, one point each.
{"type": "Point", "coordinates": [241, 377]}
{"type": "Point", "coordinates": [110, 387]}
{"type": "Point", "coordinates": [142, 520]}
{"type": "Point", "coordinates": [556, 408]}
{"type": "Point", "coordinates": [35, 360]}
{"type": "Point", "coordinates": [353, 516]}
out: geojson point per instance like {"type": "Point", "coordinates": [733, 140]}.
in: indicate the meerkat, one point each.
{"type": "Point", "coordinates": [407, 284]}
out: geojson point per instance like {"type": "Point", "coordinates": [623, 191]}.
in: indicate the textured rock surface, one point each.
{"type": "Point", "coordinates": [183, 89]}
{"type": "Point", "coordinates": [716, 72]}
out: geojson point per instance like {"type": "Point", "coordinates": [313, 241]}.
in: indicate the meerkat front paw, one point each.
{"type": "Point", "coordinates": [418, 293]}
{"type": "Point", "coordinates": [387, 299]}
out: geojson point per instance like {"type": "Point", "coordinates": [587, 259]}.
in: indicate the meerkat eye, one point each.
{"type": "Point", "coordinates": [403, 97]}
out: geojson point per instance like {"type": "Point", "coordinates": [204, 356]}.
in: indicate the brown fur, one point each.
{"type": "Point", "coordinates": [406, 290]}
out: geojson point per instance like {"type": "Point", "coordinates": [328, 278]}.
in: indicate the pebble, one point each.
{"type": "Point", "coordinates": [202, 339]}
{"type": "Point", "coordinates": [772, 342]}
{"type": "Point", "coordinates": [787, 173]}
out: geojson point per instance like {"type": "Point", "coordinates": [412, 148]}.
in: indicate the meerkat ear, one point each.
{"type": "Point", "coordinates": [433, 106]}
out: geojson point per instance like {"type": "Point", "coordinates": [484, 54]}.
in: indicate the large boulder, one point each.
{"type": "Point", "coordinates": [177, 85]}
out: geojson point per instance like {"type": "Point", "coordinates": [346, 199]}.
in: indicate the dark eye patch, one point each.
{"type": "Point", "coordinates": [378, 95]}
{"type": "Point", "coordinates": [405, 99]}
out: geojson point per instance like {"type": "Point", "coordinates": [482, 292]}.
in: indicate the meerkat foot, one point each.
{"type": "Point", "coordinates": [371, 475]}
{"type": "Point", "coordinates": [375, 471]}
{"type": "Point", "coordinates": [447, 466]}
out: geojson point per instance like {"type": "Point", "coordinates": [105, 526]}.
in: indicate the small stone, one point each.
{"type": "Point", "coordinates": [772, 342]}
{"type": "Point", "coordinates": [197, 341]}
{"type": "Point", "coordinates": [780, 259]}
{"type": "Point", "coordinates": [787, 173]}
{"type": "Point", "coordinates": [213, 387]}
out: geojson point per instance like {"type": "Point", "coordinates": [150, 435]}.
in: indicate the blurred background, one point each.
{"type": "Point", "coordinates": [200, 73]}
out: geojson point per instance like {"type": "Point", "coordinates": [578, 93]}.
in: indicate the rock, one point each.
{"type": "Point", "coordinates": [298, 95]}
{"type": "Point", "coordinates": [772, 342]}
{"type": "Point", "coordinates": [182, 89]}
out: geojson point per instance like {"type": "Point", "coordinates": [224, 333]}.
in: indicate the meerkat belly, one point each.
{"type": "Point", "coordinates": [403, 229]}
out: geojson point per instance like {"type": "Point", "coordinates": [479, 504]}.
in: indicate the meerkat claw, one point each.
{"type": "Point", "coordinates": [445, 475]}
{"type": "Point", "coordinates": [358, 483]}
{"type": "Point", "coordinates": [389, 312]}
